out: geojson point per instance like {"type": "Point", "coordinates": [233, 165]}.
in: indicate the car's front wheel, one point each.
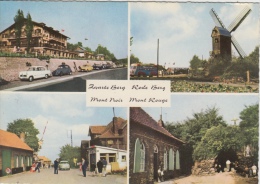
{"type": "Point", "coordinates": [31, 78]}
{"type": "Point", "coordinates": [46, 76]}
{"type": "Point", "coordinates": [61, 73]}
{"type": "Point", "coordinates": [70, 73]}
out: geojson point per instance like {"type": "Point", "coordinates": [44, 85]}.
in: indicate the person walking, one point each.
{"type": "Point", "coordinates": [56, 165]}
{"type": "Point", "coordinates": [84, 167]}
{"type": "Point", "coordinates": [104, 162]}
{"type": "Point", "coordinates": [93, 168]}
{"type": "Point", "coordinates": [100, 167]}
{"type": "Point", "coordinates": [38, 167]}
{"type": "Point", "coordinates": [228, 165]}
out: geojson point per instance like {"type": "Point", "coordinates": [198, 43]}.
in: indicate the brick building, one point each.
{"type": "Point", "coordinates": [45, 41]}
{"type": "Point", "coordinates": [14, 154]}
{"type": "Point", "coordinates": [114, 135]}
{"type": "Point", "coordinates": [151, 146]}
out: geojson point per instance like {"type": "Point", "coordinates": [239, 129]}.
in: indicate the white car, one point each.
{"type": "Point", "coordinates": [35, 72]}
{"type": "Point", "coordinates": [64, 165]}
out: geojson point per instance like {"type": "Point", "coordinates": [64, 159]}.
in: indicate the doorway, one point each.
{"type": "Point", "coordinates": [155, 163]}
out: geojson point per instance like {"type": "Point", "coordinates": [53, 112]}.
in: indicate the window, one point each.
{"type": "Point", "coordinates": [165, 159]}
{"type": "Point", "coordinates": [123, 158]}
{"type": "Point", "coordinates": [16, 161]}
{"type": "Point", "coordinates": [177, 160]}
{"type": "Point", "coordinates": [139, 157]}
{"type": "Point", "coordinates": [171, 159]}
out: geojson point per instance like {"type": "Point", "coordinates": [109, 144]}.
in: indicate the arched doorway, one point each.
{"type": "Point", "coordinates": [223, 156]}
{"type": "Point", "coordinates": [155, 162]}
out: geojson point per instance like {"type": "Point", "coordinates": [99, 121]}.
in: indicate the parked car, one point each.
{"type": "Point", "coordinates": [35, 72]}
{"type": "Point", "coordinates": [98, 66]}
{"type": "Point", "coordinates": [64, 165]}
{"type": "Point", "coordinates": [62, 70]}
{"type": "Point", "coordinates": [86, 68]}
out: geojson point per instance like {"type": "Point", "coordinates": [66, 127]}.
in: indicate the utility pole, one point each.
{"type": "Point", "coordinates": [71, 137]}
{"type": "Point", "coordinates": [158, 58]}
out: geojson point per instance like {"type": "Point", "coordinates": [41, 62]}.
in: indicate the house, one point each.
{"type": "Point", "coordinates": [114, 135]}
{"type": "Point", "coordinates": [107, 142]}
{"type": "Point", "coordinates": [45, 161]}
{"type": "Point", "coordinates": [116, 158]}
{"type": "Point", "coordinates": [16, 155]}
{"type": "Point", "coordinates": [45, 41]}
{"type": "Point", "coordinates": [80, 51]}
{"type": "Point", "coordinates": [151, 146]}
{"type": "Point", "coordinates": [100, 57]}
{"type": "Point", "coordinates": [221, 43]}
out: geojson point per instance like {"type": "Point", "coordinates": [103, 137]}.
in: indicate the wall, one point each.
{"type": "Point", "coordinates": [150, 138]}
{"type": "Point", "coordinates": [11, 66]}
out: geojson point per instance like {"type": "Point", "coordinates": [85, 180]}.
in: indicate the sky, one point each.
{"type": "Point", "coordinates": [183, 106]}
{"type": "Point", "coordinates": [60, 113]}
{"type": "Point", "coordinates": [184, 30]}
{"type": "Point", "coordinates": [100, 22]}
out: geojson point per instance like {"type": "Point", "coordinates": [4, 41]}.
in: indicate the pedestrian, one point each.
{"type": "Point", "coordinates": [84, 166]}
{"type": "Point", "coordinates": [104, 162]}
{"type": "Point", "coordinates": [254, 168]}
{"type": "Point", "coordinates": [93, 168]}
{"type": "Point", "coordinates": [56, 165]}
{"type": "Point", "coordinates": [38, 165]}
{"type": "Point", "coordinates": [160, 175]}
{"type": "Point", "coordinates": [228, 165]}
{"type": "Point", "coordinates": [100, 167]}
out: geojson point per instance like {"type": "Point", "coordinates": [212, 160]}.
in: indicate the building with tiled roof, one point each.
{"type": "Point", "coordinates": [113, 135]}
{"type": "Point", "coordinates": [151, 147]}
{"type": "Point", "coordinates": [16, 154]}
{"type": "Point", "coordinates": [46, 162]}
{"type": "Point", "coordinates": [45, 41]}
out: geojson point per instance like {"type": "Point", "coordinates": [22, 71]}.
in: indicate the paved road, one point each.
{"type": "Point", "coordinates": [74, 83]}
{"type": "Point", "coordinates": [72, 176]}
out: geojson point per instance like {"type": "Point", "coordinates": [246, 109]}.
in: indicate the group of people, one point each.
{"type": "Point", "coordinates": [101, 167]}
{"type": "Point", "coordinates": [248, 171]}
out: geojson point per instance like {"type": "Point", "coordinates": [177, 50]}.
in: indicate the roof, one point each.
{"type": "Point", "coordinates": [96, 129]}
{"type": "Point", "coordinates": [119, 123]}
{"type": "Point", "coordinates": [107, 131]}
{"type": "Point", "coordinates": [223, 31]}
{"type": "Point", "coordinates": [138, 115]}
{"type": "Point", "coordinates": [38, 24]}
{"type": "Point", "coordinates": [11, 140]}
{"type": "Point", "coordinates": [44, 158]}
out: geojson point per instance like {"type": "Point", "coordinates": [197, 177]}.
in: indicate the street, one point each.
{"type": "Point", "coordinates": [64, 177]}
{"type": "Point", "coordinates": [73, 83]}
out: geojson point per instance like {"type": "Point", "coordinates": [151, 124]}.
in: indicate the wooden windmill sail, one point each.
{"type": "Point", "coordinates": [232, 27]}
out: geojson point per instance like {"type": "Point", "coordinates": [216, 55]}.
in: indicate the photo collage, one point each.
{"type": "Point", "coordinates": [122, 92]}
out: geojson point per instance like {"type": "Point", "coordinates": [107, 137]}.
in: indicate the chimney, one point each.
{"type": "Point", "coordinates": [160, 122]}
{"type": "Point", "coordinates": [22, 136]}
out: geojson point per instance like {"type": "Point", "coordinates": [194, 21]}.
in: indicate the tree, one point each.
{"type": "Point", "coordinates": [28, 30]}
{"type": "Point", "coordinates": [197, 65]}
{"type": "Point", "coordinates": [217, 139]}
{"type": "Point", "coordinates": [134, 59]}
{"type": "Point", "coordinates": [19, 22]}
{"type": "Point", "coordinates": [25, 126]}
{"type": "Point", "coordinates": [192, 131]}
{"type": "Point", "coordinates": [250, 125]}
{"type": "Point", "coordinates": [68, 153]}
{"type": "Point", "coordinates": [107, 54]}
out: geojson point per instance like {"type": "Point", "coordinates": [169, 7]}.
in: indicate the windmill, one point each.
{"type": "Point", "coordinates": [227, 31]}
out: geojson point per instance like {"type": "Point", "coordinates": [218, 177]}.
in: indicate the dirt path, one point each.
{"type": "Point", "coordinates": [218, 178]}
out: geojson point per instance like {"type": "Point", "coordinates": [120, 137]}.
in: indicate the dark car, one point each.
{"type": "Point", "coordinates": [99, 66]}
{"type": "Point", "coordinates": [62, 70]}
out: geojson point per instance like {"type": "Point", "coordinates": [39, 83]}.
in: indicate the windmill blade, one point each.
{"type": "Point", "coordinates": [216, 19]}
{"type": "Point", "coordinates": [238, 47]}
{"type": "Point", "coordinates": [239, 19]}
